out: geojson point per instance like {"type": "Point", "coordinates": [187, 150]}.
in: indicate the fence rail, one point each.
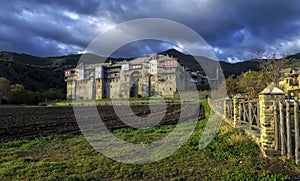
{"type": "Point", "coordinates": [249, 113]}
{"type": "Point", "coordinates": [229, 109]}
{"type": "Point", "coordinates": [287, 136]}
{"type": "Point", "coordinates": [277, 125]}
{"type": "Point", "coordinates": [217, 105]}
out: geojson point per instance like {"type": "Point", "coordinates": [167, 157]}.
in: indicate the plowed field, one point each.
{"type": "Point", "coordinates": [31, 122]}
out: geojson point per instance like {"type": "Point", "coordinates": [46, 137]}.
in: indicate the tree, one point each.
{"type": "Point", "coordinates": [254, 81]}
{"type": "Point", "coordinates": [232, 86]}
{"type": "Point", "coordinates": [248, 82]}
{"type": "Point", "coordinates": [4, 89]}
{"type": "Point", "coordinates": [272, 65]}
{"type": "Point", "coordinates": [53, 94]}
{"type": "Point", "coordinates": [18, 95]}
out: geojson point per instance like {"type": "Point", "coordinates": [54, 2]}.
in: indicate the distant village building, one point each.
{"type": "Point", "coordinates": [142, 77]}
{"type": "Point", "coordinates": [289, 82]}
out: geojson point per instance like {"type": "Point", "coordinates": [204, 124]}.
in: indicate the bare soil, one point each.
{"type": "Point", "coordinates": [31, 122]}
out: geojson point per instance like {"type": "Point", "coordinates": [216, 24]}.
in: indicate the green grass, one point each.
{"type": "Point", "coordinates": [230, 156]}
{"type": "Point", "coordinates": [202, 96]}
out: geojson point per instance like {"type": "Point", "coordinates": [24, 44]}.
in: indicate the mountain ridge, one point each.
{"type": "Point", "coordinates": [42, 73]}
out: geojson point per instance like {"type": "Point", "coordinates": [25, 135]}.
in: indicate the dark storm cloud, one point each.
{"type": "Point", "coordinates": [44, 29]}
{"type": "Point", "coordinates": [142, 47]}
{"type": "Point", "coordinates": [234, 29]}
{"type": "Point", "coordinates": [89, 7]}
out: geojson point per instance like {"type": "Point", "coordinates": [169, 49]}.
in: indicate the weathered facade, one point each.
{"type": "Point", "coordinates": [142, 77]}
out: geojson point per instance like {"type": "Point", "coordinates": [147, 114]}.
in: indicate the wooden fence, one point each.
{"type": "Point", "coordinates": [249, 113]}
{"type": "Point", "coordinates": [287, 136]}
{"type": "Point", "coordinates": [229, 109]}
{"type": "Point", "coordinates": [217, 105]}
{"type": "Point", "coordinates": [246, 114]}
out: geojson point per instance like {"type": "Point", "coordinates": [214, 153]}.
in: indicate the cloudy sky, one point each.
{"type": "Point", "coordinates": [234, 29]}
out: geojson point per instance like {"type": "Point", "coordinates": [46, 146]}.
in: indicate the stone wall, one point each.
{"type": "Point", "coordinates": [267, 118]}
{"type": "Point", "coordinates": [266, 133]}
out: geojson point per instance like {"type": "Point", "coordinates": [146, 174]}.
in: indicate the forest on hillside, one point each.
{"type": "Point", "coordinates": [41, 79]}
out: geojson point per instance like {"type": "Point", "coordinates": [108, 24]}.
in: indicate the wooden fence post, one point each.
{"type": "Point", "coordinates": [282, 128]}
{"type": "Point", "coordinates": [297, 134]}
{"type": "Point", "coordinates": [250, 115]}
{"type": "Point", "coordinates": [267, 118]}
{"type": "Point", "coordinates": [237, 109]}
{"type": "Point", "coordinates": [288, 131]}
{"type": "Point", "coordinates": [277, 121]}
{"type": "Point", "coordinates": [226, 106]}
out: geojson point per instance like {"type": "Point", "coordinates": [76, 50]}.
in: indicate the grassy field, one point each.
{"type": "Point", "coordinates": [202, 95]}
{"type": "Point", "coordinates": [230, 156]}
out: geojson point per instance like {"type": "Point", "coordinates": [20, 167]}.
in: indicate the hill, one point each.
{"type": "Point", "coordinates": [44, 73]}
{"type": "Point", "coordinates": [38, 73]}
{"type": "Point", "coordinates": [228, 68]}
{"type": "Point", "coordinates": [293, 60]}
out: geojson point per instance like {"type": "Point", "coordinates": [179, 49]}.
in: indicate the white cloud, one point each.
{"type": "Point", "coordinates": [71, 15]}
{"type": "Point", "coordinates": [100, 24]}
{"type": "Point", "coordinates": [179, 47]}
{"type": "Point", "coordinates": [290, 47]}
{"type": "Point", "coordinates": [217, 50]}
{"type": "Point", "coordinates": [233, 60]}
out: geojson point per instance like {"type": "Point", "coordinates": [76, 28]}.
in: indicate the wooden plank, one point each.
{"type": "Point", "coordinates": [255, 127]}
{"type": "Point", "coordinates": [282, 130]}
{"type": "Point", "coordinates": [243, 112]}
{"type": "Point", "coordinates": [288, 131]}
{"type": "Point", "coordinates": [258, 115]}
{"type": "Point", "coordinates": [225, 109]}
{"type": "Point", "coordinates": [297, 134]}
{"type": "Point", "coordinates": [276, 119]}
{"type": "Point", "coordinates": [240, 113]}
{"type": "Point", "coordinates": [250, 117]}
{"type": "Point", "coordinates": [222, 107]}
{"type": "Point", "coordinates": [232, 110]}
{"type": "Point", "coordinates": [255, 114]}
